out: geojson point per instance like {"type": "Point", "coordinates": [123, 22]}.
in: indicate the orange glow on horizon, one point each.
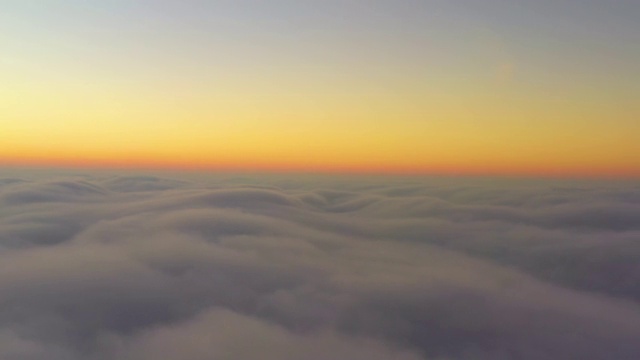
{"type": "Point", "coordinates": [245, 166]}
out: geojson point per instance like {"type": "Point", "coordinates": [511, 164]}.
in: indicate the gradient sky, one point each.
{"type": "Point", "coordinates": [545, 87]}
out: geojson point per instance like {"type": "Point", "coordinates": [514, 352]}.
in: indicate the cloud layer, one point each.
{"type": "Point", "coordinates": [106, 267]}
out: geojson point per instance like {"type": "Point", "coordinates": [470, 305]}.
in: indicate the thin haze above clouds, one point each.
{"type": "Point", "coordinates": [104, 267]}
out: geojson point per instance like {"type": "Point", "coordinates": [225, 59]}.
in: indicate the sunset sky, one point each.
{"type": "Point", "coordinates": [545, 87]}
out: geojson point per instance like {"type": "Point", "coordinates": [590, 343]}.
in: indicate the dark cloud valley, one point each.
{"type": "Point", "coordinates": [104, 266]}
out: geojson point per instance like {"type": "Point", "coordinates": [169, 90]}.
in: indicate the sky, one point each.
{"type": "Point", "coordinates": [495, 87]}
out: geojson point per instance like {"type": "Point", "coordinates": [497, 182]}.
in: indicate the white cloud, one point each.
{"type": "Point", "coordinates": [99, 267]}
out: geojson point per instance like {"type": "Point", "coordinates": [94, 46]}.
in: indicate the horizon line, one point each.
{"type": "Point", "coordinates": [382, 171]}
